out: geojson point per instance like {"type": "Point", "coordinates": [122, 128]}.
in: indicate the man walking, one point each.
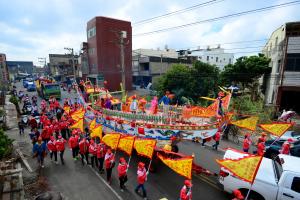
{"type": "Point", "coordinates": [141, 179]}
{"type": "Point", "coordinates": [73, 144]}
{"type": "Point", "coordinates": [84, 150]}
{"type": "Point", "coordinates": [186, 191]}
{"type": "Point", "coordinates": [100, 156]}
{"type": "Point", "coordinates": [122, 172]}
{"type": "Point", "coordinates": [217, 138]}
{"type": "Point", "coordinates": [39, 150]}
{"type": "Point", "coordinates": [51, 145]}
{"type": "Point", "coordinates": [60, 146]}
{"type": "Point", "coordinates": [109, 164]}
{"type": "Point", "coordinates": [93, 153]}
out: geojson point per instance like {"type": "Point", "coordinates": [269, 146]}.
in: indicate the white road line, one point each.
{"type": "Point", "coordinates": [100, 177]}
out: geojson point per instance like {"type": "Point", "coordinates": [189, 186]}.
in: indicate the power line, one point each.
{"type": "Point", "coordinates": [144, 21]}
{"type": "Point", "coordinates": [221, 18]}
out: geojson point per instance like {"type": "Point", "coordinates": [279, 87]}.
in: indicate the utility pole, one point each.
{"type": "Point", "coordinates": [71, 50]}
{"type": "Point", "coordinates": [43, 60]}
{"type": "Point", "coordinates": [122, 35]}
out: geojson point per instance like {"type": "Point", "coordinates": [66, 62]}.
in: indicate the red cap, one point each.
{"type": "Point", "coordinates": [263, 133]}
{"type": "Point", "coordinates": [52, 138]}
{"type": "Point", "coordinates": [92, 141]}
{"type": "Point", "coordinates": [108, 150]}
{"type": "Point", "coordinates": [188, 183]}
{"type": "Point", "coordinates": [59, 137]}
{"type": "Point", "coordinates": [74, 132]}
{"type": "Point", "coordinates": [122, 160]}
{"type": "Point", "coordinates": [40, 138]}
{"type": "Point", "coordinates": [238, 194]}
{"type": "Point", "coordinates": [141, 165]}
{"type": "Point", "coordinates": [290, 140]}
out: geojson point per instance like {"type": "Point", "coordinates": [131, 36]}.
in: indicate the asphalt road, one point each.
{"type": "Point", "coordinates": [77, 182]}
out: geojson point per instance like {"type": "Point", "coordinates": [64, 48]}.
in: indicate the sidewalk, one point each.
{"type": "Point", "coordinates": [69, 180]}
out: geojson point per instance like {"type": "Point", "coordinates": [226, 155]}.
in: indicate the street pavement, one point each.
{"type": "Point", "coordinates": [75, 181]}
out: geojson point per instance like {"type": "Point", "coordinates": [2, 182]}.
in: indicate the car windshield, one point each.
{"type": "Point", "coordinates": [52, 87]}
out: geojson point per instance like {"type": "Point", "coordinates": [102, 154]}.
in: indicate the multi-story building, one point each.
{"type": "Point", "coordinates": [105, 37]}
{"type": "Point", "coordinates": [3, 69]}
{"type": "Point", "coordinates": [83, 60]}
{"type": "Point", "coordinates": [214, 56]}
{"type": "Point", "coordinates": [16, 67]}
{"type": "Point", "coordinates": [61, 65]}
{"type": "Point", "coordinates": [283, 83]}
{"type": "Point", "coordinates": [149, 64]}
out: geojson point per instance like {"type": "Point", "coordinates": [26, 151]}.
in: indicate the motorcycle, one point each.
{"type": "Point", "coordinates": [24, 120]}
{"type": "Point", "coordinates": [27, 108]}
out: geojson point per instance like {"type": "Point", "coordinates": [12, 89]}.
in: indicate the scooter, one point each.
{"type": "Point", "coordinates": [24, 120]}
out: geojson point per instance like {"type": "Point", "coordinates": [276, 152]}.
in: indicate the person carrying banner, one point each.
{"type": "Point", "coordinates": [261, 148]}
{"type": "Point", "coordinates": [262, 138]}
{"type": "Point", "coordinates": [109, 164]}
{"type": "Point", "coordinates": [122, 172]}
{"type": "Point", "coordinates": [141, 179]}
{"type": "Point", "coordinates": [84, 150]}
{"type": "Point", "coordinates": [51, 145]}
{"type": "Point", "coordinates": [186, 191]}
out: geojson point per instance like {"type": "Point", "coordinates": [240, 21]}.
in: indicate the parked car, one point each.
{"type": "Point", "coordinates": [273, 150]}
{"type": "Point", "coordinates": [289, 134]}
{"type": "Point", "coordinates": [274, 180]}
{"type": "Point", "coordinates": [31, 86]}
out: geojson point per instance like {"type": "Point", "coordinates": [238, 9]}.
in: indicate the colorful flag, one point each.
{"type": "Point", "coordinates": [67, 109]}
{"type": "Point", "coordinates": [126, 144]}
{"type": "Point", "coordinates": [277, 129]}
{"type": "Point", "coordinates": [245, 168]}
{"type": "Point", "coordinates": [78, 124]}
{"type": "Point", "coordinates": [96, 131]}
{"type": "Point", "coordinates": [182, 166]}
{"type": "Point", "coordinates": [145, 147]}
{"type": "Point", "coordinates": [111, 140]}
{"type": "Point", "coordinates": [76, 115]}
{"type": "Point", "coordinates": [92, 124]}
{"type": "Point", "coordinates": [248, 123]}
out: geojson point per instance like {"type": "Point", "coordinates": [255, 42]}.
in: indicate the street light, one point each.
{"type": "Point", "coordinates": [73, 64]}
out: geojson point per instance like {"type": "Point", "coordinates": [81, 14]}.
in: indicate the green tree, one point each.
{"type": "Point", "coordinates": [247, 71]}
{"type": "Point", "coordinates": [14, 100]}
{"type": "Point", "coordinates": [5, 145]}
{"type": "Point", "coordinates": [189, 83]}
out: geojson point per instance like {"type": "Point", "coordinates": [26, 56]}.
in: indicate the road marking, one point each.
{"type": "Point", "coordinates": [100, 177]}
{"type": "Point", "coordinates": [207, 180]}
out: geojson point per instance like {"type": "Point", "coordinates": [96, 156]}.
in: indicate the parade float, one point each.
{"type": "Point", "coordinates": [150, 121]}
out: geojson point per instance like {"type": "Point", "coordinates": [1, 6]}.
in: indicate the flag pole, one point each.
{"type": "Point", "coordinates": [149, 165]}
{"type": "Point", "coordinates": [248, 192]}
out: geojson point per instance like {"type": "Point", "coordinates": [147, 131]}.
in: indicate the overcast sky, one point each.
{"type": "Point", "coordinates": [34, 28]}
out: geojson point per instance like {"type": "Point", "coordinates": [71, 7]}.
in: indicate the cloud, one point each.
{"type": "Point", "coordinates": [31, 29]}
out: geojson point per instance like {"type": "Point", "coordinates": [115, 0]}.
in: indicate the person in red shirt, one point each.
{"type": "Point", "coordinates": [246, 143]}
{"type": "Point", "coordinates": [109, 164]}
{"type": "Point", "coordinates": [186, 191]}
{"type": "Point", "coordinates": [141, 179]}
{"type": "Point", "coordinates": [217, 138]}
{"type": "Point", "coordinates": [60, 146]}
{"type": "Point", "coordinates": [100, 156]}
{"type": "Point", "coordinates": [261, 149]}
{"type": "Point", "coordinates": [262, 138]}
{"type": "Point", "coordinates": [285, 149]}
{"type": "Point", "coordinates": [84, 150]}
{"type": "Point", "coordinates": [51, 145]}
{"type": "Point", "coordinates": [93, 153]}
{"type": "Point", "coordinates": [122, 172]}
{"type": "Point", "coordinates": [237, 195]}
{"type": "Point", "coordinates": [73, 144]}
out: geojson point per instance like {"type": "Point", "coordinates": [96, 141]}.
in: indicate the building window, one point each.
{"type": "Point", "coordinates": [91, 51]}
{"type": "Point", "coordinates": [207, 58]}
{"type": "Point", "coordinates": [91, 32]}
{"type": "Point", "coordinates": [217, 59]}
{"type": "Point", "coordinates": [278, 66]}
{"type": "Point", "coordinates": [293, 62]}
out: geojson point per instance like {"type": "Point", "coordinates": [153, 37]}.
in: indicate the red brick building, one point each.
{"type": "Point", "coordinates": [103, 38]}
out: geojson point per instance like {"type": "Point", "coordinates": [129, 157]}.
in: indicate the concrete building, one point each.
{"type": "Point", "coordinates": [15, 67]}
{"type": "Point", "coordinates": [61, 65]}
{"type": "Point", "coordinates": [83, 60]}
{"type": "Point", "coordinates": [104, 38]}
{"type": "Point", "coordinates": [4, 77]}
{"type": "Point", "coordinates": [283, 84]}
{"type": "Point", "coordinates": [214, 56]}
{"type": "Point", "coordinates": [149, 64]}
